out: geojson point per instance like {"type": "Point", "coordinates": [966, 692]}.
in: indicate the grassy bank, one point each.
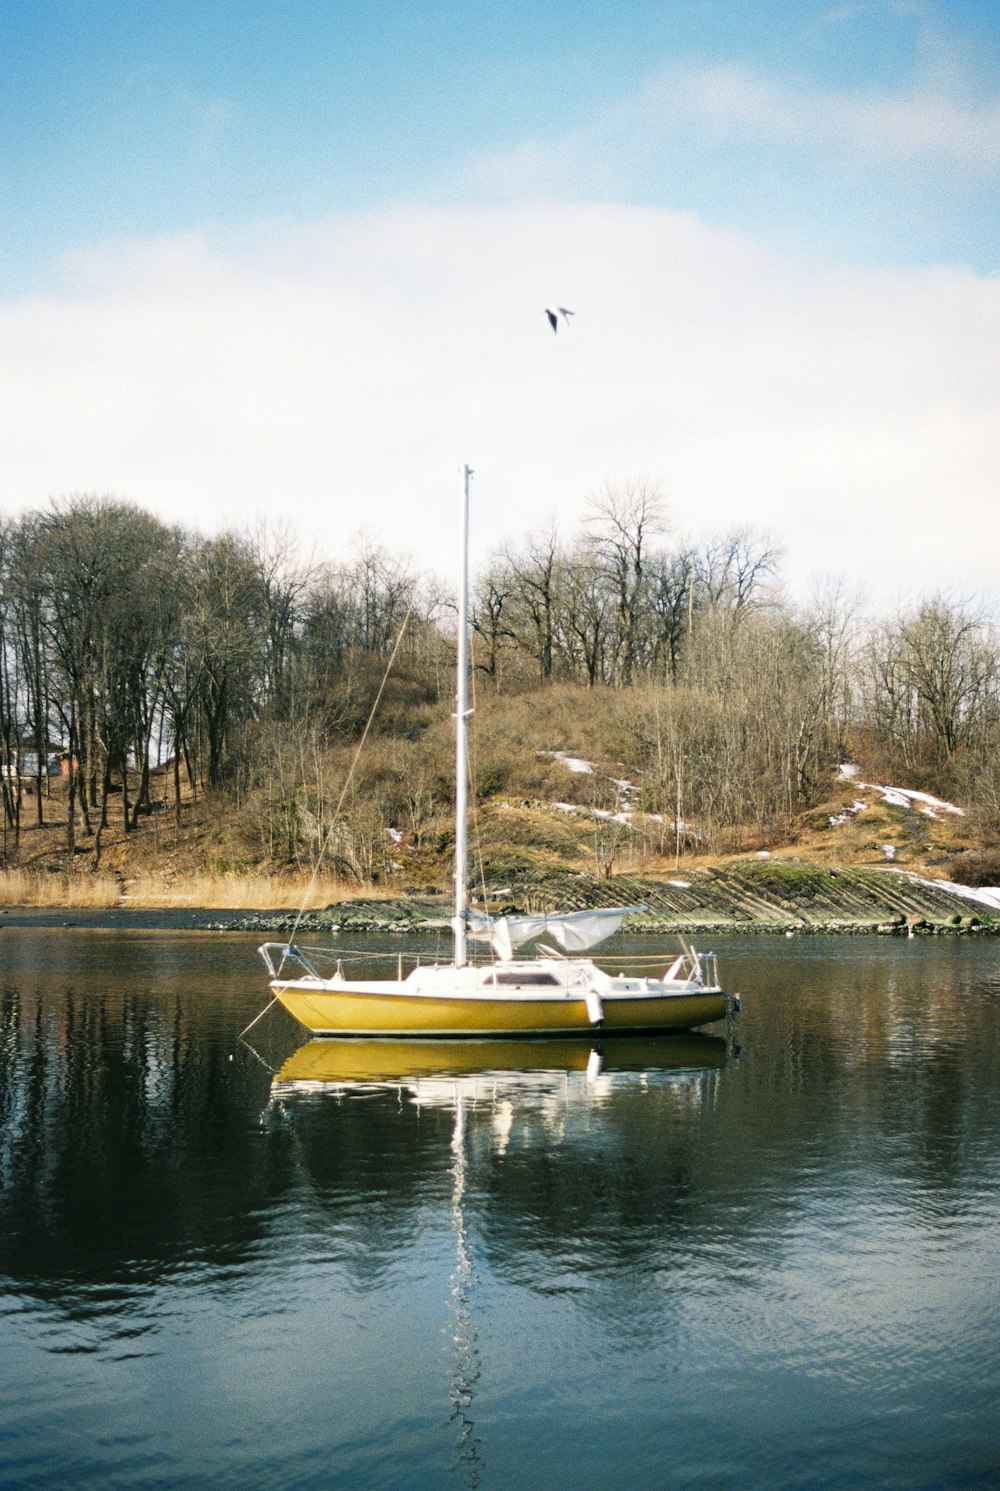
{"type": "Point", "coordinates": [570, 835]}
{"type": "Point", "coordinates": [742, 895]}
{"type": "Point", "coordinates": [225, 891]}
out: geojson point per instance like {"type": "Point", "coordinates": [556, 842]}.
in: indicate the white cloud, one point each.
{"type": "Point", "coordinates": [340, 375]}
{"type": "Point", "coordinates": [943, 125]}
{"type": "Point", "coordinates": [931, 121]}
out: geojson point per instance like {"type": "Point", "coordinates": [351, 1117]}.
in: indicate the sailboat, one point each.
{"type": "Point", "coordinates": [554, 992]}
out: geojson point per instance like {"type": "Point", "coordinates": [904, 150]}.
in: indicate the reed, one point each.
{"type": "Point", "coordinates": [32, 888]}
{"type": "Point", "coordinates": [246, 892]}
{"type": "Point", "coordinates": [229, 891]}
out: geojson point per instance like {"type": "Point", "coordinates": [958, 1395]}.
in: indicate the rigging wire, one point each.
{"type": "Point", "coordinates": [472, 794]}
{"type": "Point", "coordinates": [347, 782]}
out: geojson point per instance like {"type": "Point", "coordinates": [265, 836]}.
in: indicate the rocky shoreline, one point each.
{"type": "Point", "coordinates": [746, 898]}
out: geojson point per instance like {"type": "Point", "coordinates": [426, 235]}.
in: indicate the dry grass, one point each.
{"type": "Point", "coordinates": [222, 892]}
{"type": "Point", "coordinates": [34, 888]}
{"type": "Point", "coordinates": [248, 892]}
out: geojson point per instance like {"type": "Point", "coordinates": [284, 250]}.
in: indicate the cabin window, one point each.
{"type": "Point", "coordinates": [514, 980]}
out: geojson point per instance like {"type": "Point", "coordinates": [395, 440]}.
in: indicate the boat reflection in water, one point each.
{"type": "Point", "coordinates": [495, 1082]}
{"type": "Point", "coordinates": [440, 1072]}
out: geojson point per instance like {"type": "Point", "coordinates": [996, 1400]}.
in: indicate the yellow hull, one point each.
{"type": "Point", "coordinates": [366, 1012]}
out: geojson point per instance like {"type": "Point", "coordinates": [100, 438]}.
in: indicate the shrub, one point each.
{"type": "Point", "coordinates": [976, 867]}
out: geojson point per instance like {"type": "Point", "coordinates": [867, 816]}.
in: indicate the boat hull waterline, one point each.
{"type": "Point", "coordinates": [370, 1011]}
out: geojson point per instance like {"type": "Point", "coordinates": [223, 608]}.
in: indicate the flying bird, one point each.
{"type": "Point", "coordinates": [554, 315]}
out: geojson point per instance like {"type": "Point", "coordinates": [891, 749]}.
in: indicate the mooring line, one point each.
{"type": "Point", "coordinates": [257, 1017]}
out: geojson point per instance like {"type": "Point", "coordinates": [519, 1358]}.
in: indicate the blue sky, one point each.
{"type": "Point", "coordinates": [127, 119]}
{"type": "Point", "coordinates": [797, 199]}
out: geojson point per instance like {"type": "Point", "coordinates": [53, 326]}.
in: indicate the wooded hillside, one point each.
{"type": "Point", "coordinates": [161, 669]}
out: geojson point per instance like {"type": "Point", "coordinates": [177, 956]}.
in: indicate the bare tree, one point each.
{"type": "Point", "coordinates": [623, 520]}
{"type": "Point", "coordinates": [737, 568]}
{"type": "Point", "coordinates": [672, 581]}
{"type": "Point", "coordinates": [930, 679]}
{"type": "Point", "coordinates": [833, 619]}
{"type": "Point", "coordinates": [588, 616]}
{"type": "Point", "coordinates": [535, 575]}
{"type": "Point", "coordinates": [492, 620]}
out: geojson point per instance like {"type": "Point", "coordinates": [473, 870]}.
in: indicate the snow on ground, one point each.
{"type": "Point", "coordinates": [627, 791]}
{"type": "Point", "coordinates": [836, 819]}
{"type": "Point", "coordinates": [623, 817]}
{"type": "Point", "coordinates": [985, 895]}
{"type": "Point", "coordinates": [572, 763]}
{"type": "Point", "coordinates": [897, 797]}
{"type": "Point", "coordinates": [902, 797]}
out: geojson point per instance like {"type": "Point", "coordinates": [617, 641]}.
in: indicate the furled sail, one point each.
{"type": "Point", "coordinates": [574, 931]}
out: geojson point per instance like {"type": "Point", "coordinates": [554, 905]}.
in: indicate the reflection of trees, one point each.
{"type": "Point", "coordinates": [131, 1145]}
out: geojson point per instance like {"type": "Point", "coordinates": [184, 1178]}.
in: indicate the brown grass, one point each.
{"type": "Point", "coordinates": [249, 892]}
{"type": "Point", "coordinates": [225, 892]}
{"type": "Point", "coordinates": [35, 888]}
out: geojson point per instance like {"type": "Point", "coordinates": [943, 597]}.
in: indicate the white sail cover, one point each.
{"type": "Point", "coordinates": [574, 931]}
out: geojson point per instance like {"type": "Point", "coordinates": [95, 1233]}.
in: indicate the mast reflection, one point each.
{"type": "Point", "coordinates": [496, 1082]}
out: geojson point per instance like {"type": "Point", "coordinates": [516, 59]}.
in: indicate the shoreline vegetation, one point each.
{"type": "Point", "coordinates": [748, 896]}
{"type": "Point", "coordinates": [60, 890]}
{"type": "Point", "coordinates": [182, 722]}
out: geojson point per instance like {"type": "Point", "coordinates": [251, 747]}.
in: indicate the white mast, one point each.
{"type": "Point", "coordinates": [461, 735]}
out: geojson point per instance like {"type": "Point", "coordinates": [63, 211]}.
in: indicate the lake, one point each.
{"type": "Point", "coordinates": [662, 1263]}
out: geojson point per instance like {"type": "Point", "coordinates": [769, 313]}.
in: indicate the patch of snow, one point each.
{"type": "Point", "coordinates": [894, 798]}
{"type": "Point", "coordinates": [985, 895]}
{"type": "Point", "coordinates": [395, 834]}
{"type": "Point", "coordinates": [680, 884]}
{"type": "Point", "coordinates": [904, 797]}
{"type": "Point", "coordinates": [837, 819]}
{"type": "Point", "coordinates": [625, 816]}
{"type": "Point", "coordinates": [935, 802]}
{"type": "Point", "coordinates": [571, 763]}
{"type": "Point", "coordinates": [889, 850]}
{"type": "Point", "coordinates": [899, 797]}
{"type": "Point", "coordinates": [763, 854]}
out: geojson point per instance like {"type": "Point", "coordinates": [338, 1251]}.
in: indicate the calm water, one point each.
{"type": "Point", "coordinates": [667, 1266]}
